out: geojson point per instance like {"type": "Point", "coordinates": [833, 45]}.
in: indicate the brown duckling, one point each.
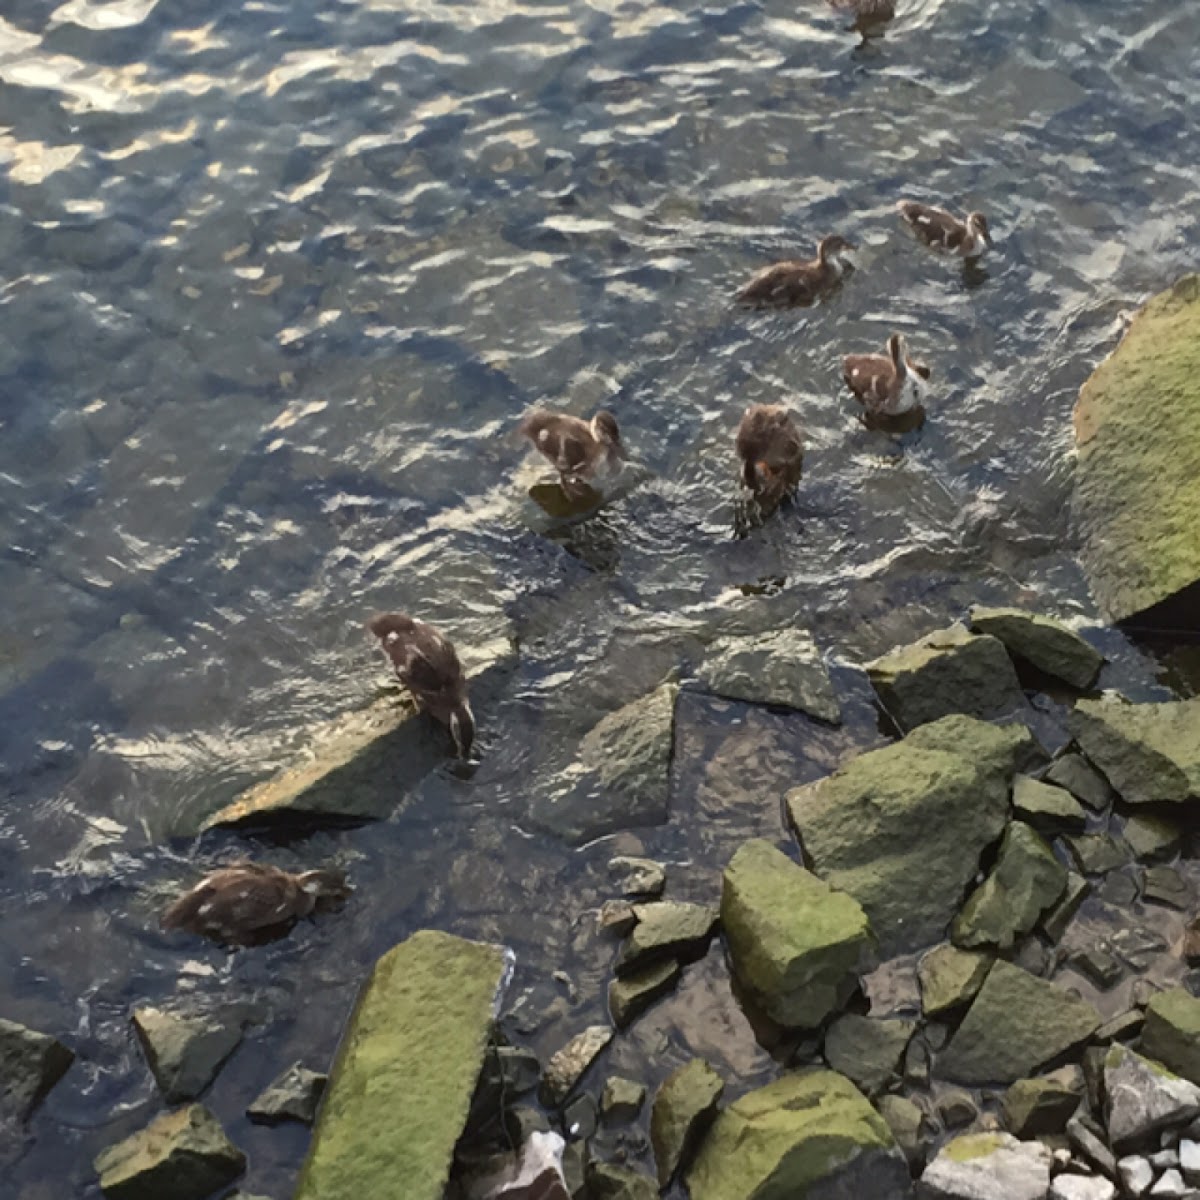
{"type": "Point", "coordinates": [577, 449]}
{"type": "Point", "coordinates": [886, 384]}
{"type": "Point", "coordinates": [866, 12]}
{"type": "Point", "coordinates": [967, 238]}
{"type": "Point", "coordinates": [249, 902]}
{"type": "Point", "coordinates": [426, 663]}
{"type": "Point", "coordinates": [799, 281]}
{"type": "Point", "coordinates": [771, 452]}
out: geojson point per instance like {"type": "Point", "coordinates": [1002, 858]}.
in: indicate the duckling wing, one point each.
{"type": "Point", "coordinates": [430, 666]}
{"type": "Point", "coordinates": [781, 283]}
{"type": "Point", "coordinates": [868, 376]}
{"type": "Point", "coordinates": [231, 903]}
{"type": "Point", "coordinates": [934, 226]}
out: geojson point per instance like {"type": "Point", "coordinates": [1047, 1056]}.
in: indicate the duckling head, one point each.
{"type": "Point", "coordinates": [462, 728]}
{"type": "Point", "coordinates": [836, 251]}
{"type": "Point", "coordinates": [324, 888]}
{"type": "Point", "coordinates": [606, 431]}
{"type": "Point", "coordinates": [977, 224]}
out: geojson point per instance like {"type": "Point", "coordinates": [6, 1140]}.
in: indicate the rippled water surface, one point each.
{"type": "Point", "coordinates": [278, 279]}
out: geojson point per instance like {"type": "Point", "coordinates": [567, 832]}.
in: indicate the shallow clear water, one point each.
{"type": "Point", "coordinates": [278, 280]}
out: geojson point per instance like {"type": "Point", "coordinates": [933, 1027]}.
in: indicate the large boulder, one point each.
{"type": "Point", "coordinates": [1044, 643]}
{"type": "Point", "coordinates": [1137, 479]}
{"type": "Point", "coordinates": [185, 1051]}
{"type": "Point", "coordinates": [796, 944]}
{"type": "Point", "coordinates": [988, 1166]}
{"type": "Point", "coordinates": [1150, 752]}
{"type": "Point", "coordinates": [811, 1135]}
{"type": "Point", "coordinates": [949, 671]}
{"type": "Point", "coordinates": [1142, 1097]}
{"type": "Point", "coordinates": [1016, 1024]}
{"type": "Point", "coordinates": [406, 1070]}
{"type": "Point", "coordinates": [902, 828]}
{"type": "Point", "coordinates": [31, 1063]}
{"type": "Point", "coordinates": [1172, 1032]}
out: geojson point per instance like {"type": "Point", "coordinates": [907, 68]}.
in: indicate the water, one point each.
{"type": "Point", "coordinates": [279, 278]}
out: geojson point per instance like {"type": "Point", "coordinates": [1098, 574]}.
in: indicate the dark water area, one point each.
{"type": "Point", "coordinates": [279, 279]}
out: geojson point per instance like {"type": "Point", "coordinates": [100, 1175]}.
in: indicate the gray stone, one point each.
{"type": "Point", "coordinates": [629, 996]}
{"type": "Point", "coordinates": [1120, 889]}
{"type": "Point", "coordinates": [569, 1065]}
{"type": "Point", "coordinates": [1164, 1160]}
{"type": "Point", "coordinates": [616, 916]}
{"type": "Point", "coordinates": [1172, 1032]}
{"type": "Point", "coordinates": [638, 876]}
{"type": "Point", "coordinates": [1042, 642]}
{"type": "Point", "coordinates": [666, 929]}
{"type": "Point", "coordinates": [1082, 1187]}
{"type": "Point", "coordinates": [1136, 1175]}
{"type": "Point", "coordinates": [683, 1109]}
{"type": "Point", "coordinates": [1086, 1137]}
{"type": "Point", "coordinates": [294, 1096]}
{"type": "Point", "coordinates": [182, 1154]}
{"type": "Point", "coordinates": [1099, 966]}
{"type": "Point", "coordinates": [1098, 853]}
{"type": "Point", "coordinates": [1170, 1186]}
{"type": "Point", "coordinates": [1082, 780]}
{"type": "Point", "coordinates": [31, 1063]}
{"type": "Point", "coordinates": [1016, 1024]}
{"type": "Point", "coordinates": [908, 1125]}
{"type": "Point", "coordinates": [868, 1051]}
{"type": "Point", "coordinates": [184, 1052]}
{"type": "Point", "coordinates": [622, 1099]}
{"type": "Point", "coordinates": [950, 671]}
{"type": "Point", "coordinates": [1121, 1027]}
{"type": "Point", "coordinates": [1044, 1104]}
{"type": "Point", "coordinates": [783, 669]}
{"type": "Point", "coordinates": [1165, 885]}
{"type": "Point", "coordinates": [1151, 837]}
{"type": "Point", "coordinates": [988, 1166]}
{"type": "Point", "coordinates": [795, 943]}
{"type": "Point", "coordinates": [1056, 921]}
{"type": "Point", "coordinates": [1049, 809]}
{"type": "Point", "coordinates": [1143, 1097]}
{"type": "Point", "coordinates": [950, 978]}
{"type": "Point", "coordinates": [902, 828]}
{"type": "Point", "coordinates": [1026, 880]}
{"type": "Point", "coordinates": [1189, 1160]}
{"type": "Point", "coordinates": [956, 1108]}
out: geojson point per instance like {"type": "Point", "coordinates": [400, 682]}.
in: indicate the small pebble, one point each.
{"type": "Point", "coordinates": [1136, 1175]}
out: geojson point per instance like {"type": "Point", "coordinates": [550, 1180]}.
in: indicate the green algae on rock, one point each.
{"type": "Point", "coordinates": [406, 1070]}
{"type": "Point", "coordinates": [631, 995]}
{"type": "Point", "coordinates": [1043, 1104]}
{"type": "Point", "coordinates": [1137, 479]}
{"type": "Point", "coordinates": [990, 1165]}
{"type": "Point", "coordinates": [1049, 809]}
{"type": "Point", "coordinates": [790, 1137]}
{"type": "Point", "coordinates": [796, 944]}
{"type": "Point", "coordinates": [682, 1110]}
{"type": "Point", "coordinates": [1042, 642]}
{"type": "Point", "coordinates": [666, 929]}
{"type": "Point", "coordinates": [949, 978]}
{"type": "Point", "coordinates": [902, 828]}
{"type": "Point", "coordinates": [1172, 1032]}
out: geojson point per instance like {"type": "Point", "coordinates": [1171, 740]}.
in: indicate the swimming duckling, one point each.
{"type": "Point", "coordinates": [866, 12]}
{"type": "Point", "coordinates": [250, 902]}
{"type": "Point", "coordinates": [797, 281]}
{"type": "Point", "coordinates": [577, 449]}
{"type": "Point", "coordinates": [967, 238]}
{"type": "Point", "coordinates": [426, 663]}
{"type": "Point", "coordinates": [886, 384]}
{"type": "Point", "coordinates": [771, 452]}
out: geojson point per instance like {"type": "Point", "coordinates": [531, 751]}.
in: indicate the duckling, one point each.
{"type": "Point", "coordinates": [771, 452]}
{"type": "Point", "coordinates": [577, 449]}
{"type": "Point", "coordinates": [250, 902]}
{"type": "Point", "coordinates": [799, 282]}
{"type": "Point", "coordinates": [888, 384]}
{"type": "Point", "coordinates": [866, 12]}
{"type": "Point", "coordinates": [426, 663]}
{"type": "Point", "coordinates": [967, 238]}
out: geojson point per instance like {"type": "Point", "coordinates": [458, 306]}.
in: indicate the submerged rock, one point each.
{"type": "Point", "coordinates": [666, 928]}
{"type": "Point", "coordinates": [950, 671]}
{"type": "Point", "coordinates": [630, 996]}
{"type": "Point", "coordinates": [949, 978]}
{"type": "Point", "coordinates": [809, 1135]}
{"type": "Point", "coordinates": [783, 668]}
{"type": "Point", "coordinates": [867, 1050]}
{"type": "Point", "coordinates": [1047, 808]}
{"type": "Point", "coordinates": [184, 1052]}
{"type": "Point", "coordinates": [1042, 642]}
{"type": "Point", "coordinates": [182, 1154]}
{"type": "Point", "coordinates": [1150, 752]}
{"type": "Point", "coordinates": [1143, 1097]}
{"type": "Point", "coordinates": [569, 1065]}
{"type": "Point", "coordinates": [606, 1181]}
{"type": "Point", "coordinates": [293, 1096]}
{"type": "Point", "coordinates": [1055, 922]}
{"type": "Point", "coordinates": [988, 1166]}
{"type": "Point", "coordinates": [902, 828]}
{"type": "Point", "coordinates": [406, 1070]}
{"type": "Point", "coordinates": [622, 1099]}
{"type": "Point", "coordinates": [795, 943]}
{"type": "Point", "coordinates": [31, 1063]}
{"type": "Point", "coordinates": [1172, 1032]}
{"type": "Point", "coordinates": [1137, 476]}
{"type": "Point", "coordinates": [1098, 853]}
{"type": "Point", "coordinates": [683, 1109]}
{"type": "Point", "coordinates": [1150, 837]}
{"type": "Point", "coordinates": [638, 876]}
{"type": "Point", "coordinates": [1016, 1024]}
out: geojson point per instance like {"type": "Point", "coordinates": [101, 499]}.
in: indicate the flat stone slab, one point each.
{"type": "Point", "coordinates": [1049, 809]}
{"type": "Point", "coordinates": [1172, 1032]}
{"type": "Point", "coordinates": [949, 978]}
{"type": "Point", "coordinates": [666, 929]}
{"type": "Point", "coordinates": [31, 1063]}
{"type": "Point", "coordinates": [1042, 642]}
{"type": "Point", "coordinates": [988, 1166]}
{"type": "Point", "coordinates": [293, 1096]}
{"type": "Point", "coordinates": [185, 1051]}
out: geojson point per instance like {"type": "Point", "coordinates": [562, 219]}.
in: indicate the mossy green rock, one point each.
{"type": "Point", "coordinates": [1044, 1104]}
{"type": "Point", "coordinates": [1016, 1024]}
{"type": "Point", "coordinates": [1149, 752]}
{"type": "Point", "coordinates": [1151, 837]}
{"type": "Point", "coordinates": [606, 1181]}
{"type": "Point", "coordinates": [1044, 643]}
{"type": "Point", "coordinates": [949, 978]}
{"type": "Point", "coordinates": [682, 1110]}
{"type": "Point", "coordinates": [868, 1050]}
{"type": "Point", "coordinates": [1137, 480]}
{"type": "Point", "coordinates": [406, 1070]}
{"type": "Point", "coordinates": [182, 1154]}
{"type": "Point", "coordinates": [1026, 880]}
{"type": "Point", "coordinates": [902, 828]}
{"type": "Point", "coordinates": [630, 996]}
{"type": "Point", "coordinates": [950, 671]}
{"type": "Point", "coordinates": [1172, 1032]}
{"type": "Point", "coordinates": [796, 943]}
{"type": "Point", "coordinates": [666, 929]}
{"type": "Point", "coordinates": [1047, 808]}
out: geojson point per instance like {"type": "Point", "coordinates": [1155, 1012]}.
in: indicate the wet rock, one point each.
{"type": "Point", "coordinates": [1042, 642]}
{"type": "Point", "coordinates": [1170, 1186]}
{"type": "Point", "coordinates": [902, 828]}
{"type": "Point", "coordinates": [1172, 1032]}
{"type": "Point", "coordinates": [569, 1065]}
{"type": "Point", "coordinates": [580, 1117]}
{"type": "Point", "coordinates": [510, 1071]}
{"type": "Point", "coordinates": [795, 943]}
{"type": "Point", "coordinates": [1016, 1024]}
{"type": "Point", "coordinates": [950, 671]}
{"type": "Point", "coordinates": [1026, 880]}
{"type": "Point", "coordinates": [1149, 752]}
{"type": "Point", "coordinates": [1044, 1104]}
{"type": "Point", "coordinates": [683, 1109]}
{"type": "Point", "coordinates": [622, 1099]}
{"type": "Point", "coordinates": [184, 1052]}
{"type": "Point", "coordinates": [908, 1125]}
{"type": "Point", "coordinates": [1119, 889]}
{"type": "Point", "coordinates": [808, 1134]}
{"type": "Point", "coordinates": [1122, 1027]}
{"type": "Point", "coordinates": [1099, 966]}
{"type": "Point", "coordinates": [1165, 885]}
{"type": "Point", "coordinates": [1082, 1187]}
{"type": "Point", "coordinates": [294, 1096]}
{"type": "Point", "coordinates": [1098, 853]}
{"type": "Point", "coordinates": [406, 1070]}
{"type": "Point", "coordinates": [631, 995]}
{"type": "Point", "coordinates": [522, 1120]}
{"type": "Point", "coordinates": [1136, 1176]}
{"type": "Point", "coordinates": [638, 876]}
{"type": "Point", "coordinates": [1137, 475]}
{"type": "Point", "coordinates": [1151, 837]}
{"type": "Point", "coordinates": [1049, 809]}
{"type": "Point", "coordinates": [868, 1051]}
{"type": "Point", "coordinates": [1082, 780]}
{"type": "Point", "coordinates": [1055, 922]}
{"type": "Point", "coordinates": [917, 1069]}
{"type": "Point", "coordinates": [1191, 942]}
{"type": "Point", "coordinates": [533, 1173]}
{"type": "Point", "coordinates": [607, 1181]}
{"type": "Point", "coordinates": [956, 1108]}
{"type": "Point", "coordinates": [182, 1154]}
{"type": "Point", "coordinates": [356, 767]}
{"type": "Point", "coordinates": [988, 1166]}
{"type": "Point", "coordinates": [616, 916]}
{"type": "Point", "coordinates": [1189, 1160]}
{"type": "Point", "coordinates": [950, 978]}
{"type": "Point", "coordinates": [783, 669]}
{"type": "Point", "coordinates": [666, 929]}
{"type": "Point", "coordinates": [1143, 1097]}
{"type": "Point", "coordinates": [31, 1063]}
{"type": "Point", "coordinates": [1088, 1140]}
{"type": "Point", "coordinates": [577, 1165]}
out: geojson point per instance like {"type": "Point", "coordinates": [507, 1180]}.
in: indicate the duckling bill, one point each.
{"type": "Point", "coordinates": [967, 238]}
{"type": "Point", "coordinates": [799, 282]}
{"type": "Point", "coordinates": [426, 663]}
{"type": "Point", "coordinates": [886, 384]}
{"type": "Point", "coordinates": [577, 449]}
{"type": "Point", "coordinates": [771, 453]}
